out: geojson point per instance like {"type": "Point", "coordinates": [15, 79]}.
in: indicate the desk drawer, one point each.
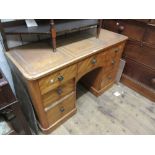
{"type": "Point", "coordinates": [110, 59]}
{"type": "Point", "coordinates": [88, 65]}
{"type": "Point", "coordinates": [115, 52]}
{"type": "Point", "coordinates": [108, 78]}
{"type": "Point", "coordinates": [56, 79]}
{"type": "Point", "coordinates": [133, 30]}
{"type": "Point", "coordinates": [142, 54]}
{"type": "Point", "coordinates": [130, 28]}
{"type": "Point", "coordinates": [58, 93]}
{"type": "Point", "coordinates": [149, 36]}
{"type": "Point", "coordinates": [61, 109]}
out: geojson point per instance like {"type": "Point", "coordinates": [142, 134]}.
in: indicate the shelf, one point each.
{"type": "Point", "coordinates": [53, 28]}
{"type": "Point", "coordinates": [61, 27]}
{"type": "Point", "coordinates": [43, 29]}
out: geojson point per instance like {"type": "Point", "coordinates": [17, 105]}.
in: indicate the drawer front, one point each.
{"type": "Point", "coordinates": [88, 65]}
{"type": "Point", "coordinates": [111, 58]}
{"type": "Point", "coordinates": [3, 101]}
{"type": "Point", "coordinates": [149, 36]}
{"type": "Point", "coordinates": [140, 73]}
{"type": "Point", "coordinates": [142, 54]}
{"type": "Point", "coordinates": [130, 28]}
{"type": "Point", "coordinates": [152, 21]}
{"type": "Point", "coordinates": [111, 25]}
{"type": "Point", "coordinates": [134, 30]}
{"type": "Point", "coordinates": [61, 109]}
{"type": "Point", "coordinates": [108, 78]}
{"type": "Point", "coordinates": [6, 96]}
{"type": "Point", "coordinates": [56, 79]}
{"type": "Point", "coordinates": [114, 55]}
{"type": "Point", "coordinates": [58, 93]}
{"type": "Point", "coordinates": [116, 51]}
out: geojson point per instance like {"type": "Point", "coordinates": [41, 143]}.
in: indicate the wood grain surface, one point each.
{"type": "Point", "coordinates": [127, 114]}
{"type": "Point", "coordinates": [37, 60]}
{"type": "Point", "coordinates": [52, 77]}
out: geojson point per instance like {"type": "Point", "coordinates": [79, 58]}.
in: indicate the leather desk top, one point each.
{"type": "Point", "coordinates": [36, 60]}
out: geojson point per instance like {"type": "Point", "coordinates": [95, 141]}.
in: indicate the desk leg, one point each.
{"type": "Point", "coordinates": [53, 35]}
{"type": "Point", "coordinates": [99, 25]}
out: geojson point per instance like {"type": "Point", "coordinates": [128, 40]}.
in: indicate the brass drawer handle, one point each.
{"type": "Point", "coordinates": [62, 109]}
{"type": "Point", "coordinates": [60, 78]}
{"type": "Point", "coordinates": [116, 50]}
{"type": "Point", "coordinates": [52, 81]}
{"type": "Point", "coordinates": [59, 90]}
{"type": "Point", "coordinates": [94, 61]}
{"type": "Point", "coordinates": [117, 24]}
{"type": "Point", "coordinates": [113, 62]}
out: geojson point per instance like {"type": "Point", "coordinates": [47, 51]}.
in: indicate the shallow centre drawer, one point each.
{"type": "Point", "coordinates": [56, 79]}
{"type": "Point", "coordinates": [58, 93]}
{"type": "Point", "coordinates": [61, 109]}
{"type": "Point", "coordinates": [87, 65]}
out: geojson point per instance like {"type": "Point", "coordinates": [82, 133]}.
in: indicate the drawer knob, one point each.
{"type": "Point", "coordinates": [60, 78]}
{"type": "Point", "coordinates": [120, 29]}
{"type": "Point", "coordinates": [116, 50]}
{"type": "Point", "coordinates": [117, 24]}
{"type": "Point", "coordinates": [94, 61]}
{"type": "Point", "coordinates": [113, 62]}
{"type": "Point", "coordinates": [62, 109]}
{"type": "Point", "coordinates": [59, 90]}
{"type": "Point", "coordinates": [51, 81]}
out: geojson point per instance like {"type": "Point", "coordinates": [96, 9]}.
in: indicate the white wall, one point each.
{"type": "Point", "coordinates": [13, 41]}
{"type": "Point", "coordinates": [5, 67]}
{"type": "Point", "coordinates": [3, 62]}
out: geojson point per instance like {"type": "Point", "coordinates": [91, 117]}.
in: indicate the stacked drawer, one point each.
{"type": "Point", "coordinates": [58, 94]}
{"type": "Point", "coordinates": [106, 64]}
{"type": "Point", "coordinates": [110, 64]}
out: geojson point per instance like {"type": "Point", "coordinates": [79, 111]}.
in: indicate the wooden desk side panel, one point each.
{"type": "Point", "coordinates": [35, 94]}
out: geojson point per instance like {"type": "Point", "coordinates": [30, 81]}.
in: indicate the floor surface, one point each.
{"type": "Point", "coordinates": [119, 110]}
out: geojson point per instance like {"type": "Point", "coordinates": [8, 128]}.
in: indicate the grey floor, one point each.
{"type": "Point", "coordinates": [119, 110]}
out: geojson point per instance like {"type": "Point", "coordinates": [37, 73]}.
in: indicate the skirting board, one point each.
{"type": "Point", "coordinates": [137, 86]}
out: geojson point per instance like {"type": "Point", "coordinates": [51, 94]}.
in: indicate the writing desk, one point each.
{"type": "Point", "coordinates": [51, 78]}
